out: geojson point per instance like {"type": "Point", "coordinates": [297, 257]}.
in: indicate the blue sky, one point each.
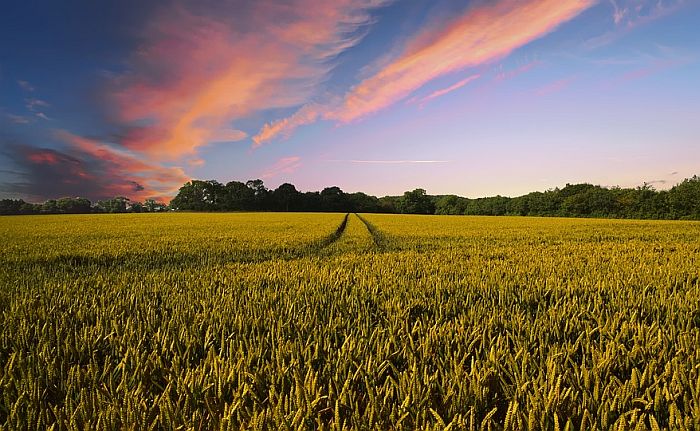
{"type": "Point", "coordinates": [473, 98]}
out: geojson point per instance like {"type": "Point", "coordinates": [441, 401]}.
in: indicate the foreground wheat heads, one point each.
{"type": "Point", "coordinates": [346, 322]}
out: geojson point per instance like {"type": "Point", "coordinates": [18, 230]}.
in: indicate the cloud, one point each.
{"type": "Point", "coordinates": [390, 162]}
{"type": "Point", "coordinates": [201, 68]}
{"type": "Point", "coordinates": [555, 86]}
{"type": "Point", "coordinates": [91, 169]}
{"type": "Point", "coordinates": [630, 14]}
{"type": "Point", "coordinates": [483, 34]}
{"type": "Point", "coordinates": [26, 86]}
{"type": "Point", "coordinates": [307, 114]}
{"type": "Point", "coordinates": [667, 58]}
{"type": "Point", "coordinates": [286, 165]}
{"type": "Point", "coordinates": [503, 75]}
{"type": "Point", "coordinates": [451, 88]}
{"type": "Point", "coordinates": [32, 104]}
{"type": "Point", "coordinates": [618, 12]}
{"type": "Point", "coordinates": [42, 116]}
{"type": "Point", "coordinates": [196, 163]}
{"type": "Point", "coordinates": [155, 180]}
{"type": "Point", "coordinates": [228, 135]}
{"type": "Point", "coordinates": [18, 119]}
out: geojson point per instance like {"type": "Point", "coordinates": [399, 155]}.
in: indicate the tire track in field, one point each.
{"type": "Point", "coordinates": [380, 240]}
{"type": "Point", "coordinates": [73, 263]}
{"type": "Point", "coordinates": [335, 236]}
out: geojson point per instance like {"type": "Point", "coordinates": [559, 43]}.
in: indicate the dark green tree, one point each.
{"type": "Point", "coordinates": [362, 203]}
{"type": "Point", "coordinates": [286, 198]}
{"type": "Point", "coordinates": [450, 204]}
{"type": "Point", "coordinates": [684, 199]}
{"type": "Point", "coordinates": [333, 199]}
{"type": "Point", "coordinates": [416, 202]}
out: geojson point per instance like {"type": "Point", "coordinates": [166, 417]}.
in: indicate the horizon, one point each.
{"type": "Point", "coordinates": [552, 189]}
{"type": "Point", "coordinates": [475, 99]}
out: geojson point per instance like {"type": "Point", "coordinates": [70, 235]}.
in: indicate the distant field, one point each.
{"type": "Point", "coordinates": [331, 322]}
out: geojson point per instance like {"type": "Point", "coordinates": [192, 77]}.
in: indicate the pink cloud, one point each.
{"type": "Point", "coordinates": [42, 156]}
{"type": "Point", "coordinates": [668, 58]}
{"type": "Point", "coordinates": [125, 173]}
{"type": "Point", "coordinates": [451, 88]}
{"type": "Point", "coordinates": [198, 71]}
{"type": "Point", "coordinates": [482, 35]}
{"type": "Point", "coordinates": [196, 163]}
{"type": "Point", "coordinates": [286, 165]}
{"type": "Point", "coordinates": [392, 162]}
{"type": "Point", "coordinates": [555, 86]}
{"type": "Point", "coordinates": [306, 115]}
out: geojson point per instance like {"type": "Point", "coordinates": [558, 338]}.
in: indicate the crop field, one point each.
{"type": "Point", "coordinates": [275, 321]}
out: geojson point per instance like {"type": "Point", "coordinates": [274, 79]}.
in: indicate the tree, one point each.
{"type": "Point", "coordinates": [362, 203]}
{"type": "Point", "coordinates": [311, 201]}
{"type": "Point", "coordinates": [416, 202]}
{"type": "Point", "coordinates": [450, 204]}
{"type": "Point", "coordinates": [333, 199]}
{"type": "Point", "coordinates": [684, 198]}
{"type": "Point", "coordinates": [238, 196]}
{"type": "Point", "coordinates": [260, 194]}
{"type": "Point", "coordinates": [16, 207]}
{"type": "Point", "coordinates": [285, 197]}
{"type": "Point", "coordinates": [115, 205]}
{"type": "Point", "coordinates": [151, 206]}
{"type": "Point", "coordinates": [197, 195]}
{"type": "Point", "coordinates": [590, 200]}
{"type": "Point", "coordinates": [73, 206]}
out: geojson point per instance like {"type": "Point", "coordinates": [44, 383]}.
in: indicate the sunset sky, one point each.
{"type": "Point", "coordinates": [475, 98]}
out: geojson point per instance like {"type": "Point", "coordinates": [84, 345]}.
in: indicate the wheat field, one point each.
{"type": "Point", "coordinates": [348, 322]}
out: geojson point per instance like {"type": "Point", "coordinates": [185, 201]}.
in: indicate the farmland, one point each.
{"type": "Point", "coordinates": [334, 321]}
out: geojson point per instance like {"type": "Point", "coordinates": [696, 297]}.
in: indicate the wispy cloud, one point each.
{"type": "Point", "coordinates": [121, 172]}
{"type": "Point", "coordinates": [555, 86]}
{"type": "Point", "coordinates": [389, 162]}
{"type": "Point", "coordinates": [45, 173]}
{"type": "Point", "coordinates": [286, 165]}
{"type": "Point", "coordinates": [32, 104]}
{"type": "Point", "coordinates": [503, 74]}
{"type": "Point", "coordinates": [307, 114]}
{"type": "Point", "coordinates": [196, 163]}
{"type": "Point", "coordinates": [630, 14]}
{"type": "Point", "coordinates": [200, 71]}
{"type": "Point", "coordinates": [663, 59]}
{"type": "Point", "coordinates": [451, 88]}
{"type": "Point", "coordinates": [483, 34]}
{"type": "Point", "coordinates": [18, 119]}
{"type": "Point", "coordinates": [26, 86]}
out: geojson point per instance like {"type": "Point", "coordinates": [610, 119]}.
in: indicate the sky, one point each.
{"type": "Point", "coordinates": [475, 98]}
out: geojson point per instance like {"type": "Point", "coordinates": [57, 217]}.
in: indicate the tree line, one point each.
{"type": "Point", "coordinates": [573, 200]}
{"type": "Point", "coordinates": [80, 205]}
